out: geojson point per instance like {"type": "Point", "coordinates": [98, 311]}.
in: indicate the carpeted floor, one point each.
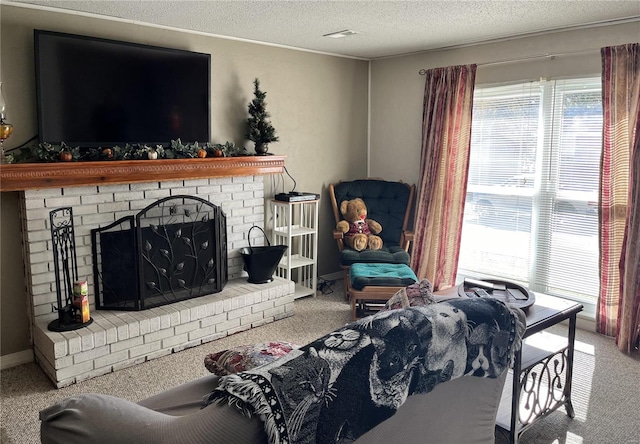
{"type": "Point", "coordinates": [606, 382]}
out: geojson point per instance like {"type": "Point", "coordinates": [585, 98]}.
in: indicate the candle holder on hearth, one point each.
{"type": "Point", "coordinates": [66, 271]}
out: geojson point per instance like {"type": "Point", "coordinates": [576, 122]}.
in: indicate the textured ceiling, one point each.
{"type": "Point", "coordinates": [385, 28]}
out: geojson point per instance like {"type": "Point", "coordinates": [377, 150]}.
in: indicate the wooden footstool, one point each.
{"type": "Point", "coordinates": [376, 283]}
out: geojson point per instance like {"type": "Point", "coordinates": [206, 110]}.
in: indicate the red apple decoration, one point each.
{"type": "Point", "coordinates": [202, 153]}
{"type": "Point", "coordinates": [65, 156]}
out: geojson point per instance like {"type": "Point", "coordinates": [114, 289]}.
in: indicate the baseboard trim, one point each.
{"type": "Point", "coordinates": [14, 359]}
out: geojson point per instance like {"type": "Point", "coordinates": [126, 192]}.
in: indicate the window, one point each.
{"type": "Point", "coordinates": [532, 194]}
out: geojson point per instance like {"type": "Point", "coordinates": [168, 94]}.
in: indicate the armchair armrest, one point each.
{"type": "Point", "coordinates": [339, 237]}
{"type": "Point", "coordinates": [407, 238]}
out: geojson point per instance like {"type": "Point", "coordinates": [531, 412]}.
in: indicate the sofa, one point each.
{"type": "Point", "coordinates": [402, 375]}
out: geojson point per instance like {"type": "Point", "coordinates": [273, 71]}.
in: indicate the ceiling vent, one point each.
{"type": "Point", "coordinates": [341, 34]}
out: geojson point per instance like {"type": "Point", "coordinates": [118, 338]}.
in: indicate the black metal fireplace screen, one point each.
{"type": "Point", "coordinates": [172, 250]}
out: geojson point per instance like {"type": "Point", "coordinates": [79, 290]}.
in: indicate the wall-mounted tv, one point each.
{"type": "Point", "coordinates": [94, 92]}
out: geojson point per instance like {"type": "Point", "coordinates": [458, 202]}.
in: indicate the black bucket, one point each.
{"type": "Point", "coordinates": [261, 262]}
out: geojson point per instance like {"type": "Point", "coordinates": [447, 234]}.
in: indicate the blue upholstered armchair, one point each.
{"type": "Point", "coordinates": [389, 203]}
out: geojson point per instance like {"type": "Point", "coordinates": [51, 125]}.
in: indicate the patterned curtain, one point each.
{"type": "Point", "coordinates": [444, 166]}
{"type": "Point", "coordinates": [618, 311]}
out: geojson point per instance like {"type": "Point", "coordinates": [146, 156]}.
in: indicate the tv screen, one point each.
{"type": "Point", "coordinates": [94, 92]}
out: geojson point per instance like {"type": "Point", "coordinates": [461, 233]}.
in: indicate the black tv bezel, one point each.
{"type": "Point", "coordinates": [38, 76]}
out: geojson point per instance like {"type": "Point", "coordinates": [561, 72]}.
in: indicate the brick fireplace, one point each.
{"type": "Point", "coordinates": [118, 339]}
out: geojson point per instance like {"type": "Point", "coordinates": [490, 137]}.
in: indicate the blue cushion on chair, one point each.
{"type": "Point", "coordinates": [387, 275]}
{"type": "Point", "coordinates": [387, 255]}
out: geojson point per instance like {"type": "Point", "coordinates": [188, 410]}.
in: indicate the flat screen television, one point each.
{"type": "Point", "coordinates": [93, 92]}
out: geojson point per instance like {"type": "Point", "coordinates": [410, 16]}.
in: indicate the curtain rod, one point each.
{"type": "Point", "coordinates": [524, 59]}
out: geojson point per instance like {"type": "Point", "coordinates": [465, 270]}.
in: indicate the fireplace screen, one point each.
{"type": "Point", "coordinates": [174, 249]}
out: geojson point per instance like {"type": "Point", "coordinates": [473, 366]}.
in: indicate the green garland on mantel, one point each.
{"type": "Point", "coordinates": [47, 152]}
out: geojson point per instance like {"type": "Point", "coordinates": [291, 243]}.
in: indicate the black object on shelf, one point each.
{"type": "Point", "coordinates": [66, 270]}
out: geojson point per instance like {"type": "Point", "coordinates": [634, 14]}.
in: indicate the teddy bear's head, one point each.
{"type": "Point", "coordinates": [353, 210]}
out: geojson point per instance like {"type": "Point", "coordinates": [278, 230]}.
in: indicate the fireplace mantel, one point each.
{"type": "Point", "coordinates": [27, 176]}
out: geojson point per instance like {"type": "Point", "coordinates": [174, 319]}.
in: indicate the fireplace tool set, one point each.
{"type": "Point", "coordinates": [71, 293]}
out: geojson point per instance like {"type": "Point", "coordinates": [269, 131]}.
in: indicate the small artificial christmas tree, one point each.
{"type": "Point", "coordinates": [259, 129]}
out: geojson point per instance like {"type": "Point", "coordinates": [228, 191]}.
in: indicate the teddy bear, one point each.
{"type": "Point", "coordinates": [359, 232]}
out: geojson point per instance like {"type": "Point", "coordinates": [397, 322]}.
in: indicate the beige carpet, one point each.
{"type": "Point", "coordinates": [606, 384]}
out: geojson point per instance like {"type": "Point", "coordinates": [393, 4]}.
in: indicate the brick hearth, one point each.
{"type": "Point", "coordinates": [119, 339]}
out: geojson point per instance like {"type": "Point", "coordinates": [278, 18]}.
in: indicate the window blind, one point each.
{"type": "Point", "coordinates": [531, 205]}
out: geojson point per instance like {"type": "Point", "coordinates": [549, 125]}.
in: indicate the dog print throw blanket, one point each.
{"type": "Point", "coordinates": [345, 383]}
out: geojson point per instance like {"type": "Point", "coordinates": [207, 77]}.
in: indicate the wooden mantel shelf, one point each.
{"type": "Point", "coordinates": [29, 176]}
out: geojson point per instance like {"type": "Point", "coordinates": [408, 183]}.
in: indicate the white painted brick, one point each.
{"type": "Point", "coordinates": [175, 340]}
{"type": "Point", "coordinates": [60, 349]}
{"type": "Point", "coordinates": [172, 184]}
{"type": "Point", "coordinates": [256, 201]}
{"type": "Point", "coordinates": [128, 195]}
{"type": "Point", "coordinates": [99, 334]}
{"type": "Point", "coordinates": [111, 358]}
{"type": "Point", "coordinates": [154, 323]}
{"type": "Point", "coordinates": [227, 325]}
{"type": "Point", "coordinates": [232, 187]}
{"type": "Point", "coordinates": [33, 204]}
{"type": "Point", "coordinates": [57, 202]}
{"type": "Point", "coordinates": [188, 191]}
{"type": "Point", "coordinates": [109, 329]}
{"type": "Point", "coordinates": [98, 220]}
{"type": "Point", "coordinates": [91, 354]}
{"type": "Point", "coordinates": [126, 344]}
{"type": "Point", "coordinates": [251, 318]}
{"type": "Point", "coordinates": [159, 335]}
{"type": "Point", "coordinates": [212, 320]}
{"type": "Point", "coordinates": [84, 209]}
{"type": "Point", "coordinates": [220, 180]}
{"type": "Point", "coordinates": [156, 194]}
{"type": "Point", "coordinates": [113, 188]}
{"type": "Point", "coordinates": [209, 189]}
{"type": "Point", "coordinates": [45, 299]}
{"type": "Point", "coordinates": [145, 186]}
{"type": "Point", "coordinates": [143, 350]}
{"type": "Point", "coordinates": [42, 278]}
{"type": "Point", "coordinates": [262, 306]}
{"type": "Point", "coordinates": [195, 182]}
{"type": "Point", "coordinates": [72, 371]}
{"type": "Point", "coordinates": [275, 311]}
{"type": "Point", "coordinates": [94, 199]}
{"type": "Point", "coordinates": [65, 361]}
{"type": "Point", "coordinates": [242, 195]}
{"type": "Point", "coordinates": [80, 191]}
{"type": "Point", "coordinates": [34, 236]}
{"type": "Point", "coordinates": [113, 207]}
{"type": "Point", "coordinates": [45, 256]}
{"type": "Point", "coordinates": [74, 342]}
{"type": "Point", "coordinates": [253, 219]}
{"type": "Point", "coordinates": [189, 326]}
{"type": "Point", "coordinates": [201, 332]}
{"type": "Point", "coordinates": [121, 327]}
{"type": "Point", "coordinates": [239, 312]}
{"type": "Point", "coordinates": [41, 310]}
{"type": "Point", "coordinates": [86, 339]}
